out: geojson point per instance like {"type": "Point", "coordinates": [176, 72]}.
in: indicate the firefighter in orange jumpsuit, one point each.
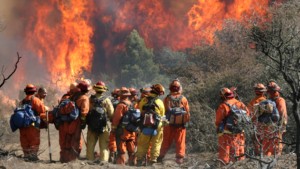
{"type": "Point", "coordinates": [30, 136]}
{"type": "Point", "coordinates": [112, 145]}
{"type": "Point", "coordinates": [70, 132]}
{"type": "Point", "coordinates": [229, 143]}
{"type": "Point", "coordinates": [125, 139]}
{"type": "Point", "coordinates": [175, 132]}
{"type": "Point", "coordinates": [134, 97]}
{"type": "Point", "coordinates": [259, 90]}
{"type": "Point", "coordinates": [272, 144]}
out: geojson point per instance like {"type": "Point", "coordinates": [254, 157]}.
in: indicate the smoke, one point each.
{"type": "Point", "coordinates": [162, 23]}
{"type": "Point", "coordinates": [30, 69]}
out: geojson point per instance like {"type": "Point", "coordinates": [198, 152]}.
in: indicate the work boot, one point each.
{"type": "Point", "coordinates": [179, 160]}
{"type": "Point", "coordinates": [112, 157]}
{"type": "Point", "coordinates": [33, 157]}
{"type": "Point", "coordinates": [132, 160]}
{"type": "Point", "coordinates": [141, 162]}
{"type": "Point", "coordinates": [160, 159]}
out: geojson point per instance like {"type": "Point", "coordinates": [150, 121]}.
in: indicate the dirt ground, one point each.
{"type": "Point", "coordinates": [10, 142]}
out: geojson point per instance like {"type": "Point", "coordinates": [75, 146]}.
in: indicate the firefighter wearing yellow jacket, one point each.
{"type": "Point", "coordinates": [99, 127]}
{"type": "Point", "coordinates": [152, 110]}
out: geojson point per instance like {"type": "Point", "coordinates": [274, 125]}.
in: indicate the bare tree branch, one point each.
{"type": "Point", "coordinates": [2, 72]}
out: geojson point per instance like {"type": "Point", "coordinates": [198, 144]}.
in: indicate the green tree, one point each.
{"type": "Point", "coordinates": [138, 66]}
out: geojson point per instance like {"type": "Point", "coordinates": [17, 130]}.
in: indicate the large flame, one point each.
{"type": "Point", "coordinates": [61, 37]}
{"type": "Point", "coordinates": [208, 16]}
{"type": "Point", "coordinates": [59, 32]}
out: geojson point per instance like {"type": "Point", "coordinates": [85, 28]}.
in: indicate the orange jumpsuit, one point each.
{"type": "Point", "coordinates": [270, 143]}
{"type": "Point", "coordinates": [229, 144]}
{"type": "Point", "coordinates": [175, 133]}
{"type": "Point", "coordinates": [70, 132]}
{"type": "Point", "coordinates": [112, 145]}
{"type": "Point", "coordinates": [125, 139]}
{"type": "Point", "coordinates": [30, 136]}
{"type": "Point", "coordinates": [257, 141]}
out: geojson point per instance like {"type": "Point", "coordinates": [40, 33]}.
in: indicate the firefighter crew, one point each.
{"type": "Point", "coordinates": [153, 139]}
{"type": "Point", "coordinates": [30, 136]}
{"type": "Point", "coordinates": [229, 143]}
{"type": "Point", "coordinates": [273, 94]}
{"type": "Point", "coordinates": [70, 132]}
{"type": "Point", "coordinates": [102, 136]}
{"type": "Point", "coordinates": [176, 130]}
{"type": "Point", "coordinates": [112, 145]}
{"type": "Point", "coordinates": [260, 91]}
{"type": "Point", "coordinates": [125, 140]}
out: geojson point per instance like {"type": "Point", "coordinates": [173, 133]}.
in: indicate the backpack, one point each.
{"type": "Point", "coordinates": [267, 111]}
{"type": "Point", "coordinates": [176, 115]}
{"type": "Point", "coordinates": [236, 119]}
{"type": "Point", "coordinates": [65, 111]}
{"type": "Point", "coordinates": [97, 117]}
{"type": "Point", "coordinates": [24, 116]}
{"type": "Point", "coordinates": [131, 119]}
{"type": "Point", "coordinates": [150, 119]}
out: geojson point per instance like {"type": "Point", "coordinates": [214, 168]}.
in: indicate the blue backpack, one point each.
{"type": "Point", "coordinates": [150, 119]}
{"type": "Point", "coordinates": [176, 114]}
{"type": "Point", "coordinates": [66, 111]}
{"type": "Point", "coordinates": [24, 116]}
{"type": "Point", "coordinates": [237, 119]}
{"type": "Point", "coordinates": [131, 119]}
{"type": "Point", "coordinates": [267, 111]}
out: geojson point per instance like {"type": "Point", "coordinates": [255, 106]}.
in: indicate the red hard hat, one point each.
{"type": "Point", "coordinates": [175, 86]}
{"type": "Point", "coordinates": [226, 93]}
{"type": "Point", "coordinates": [115, 92]}
{"type": "Point", "coordinates": [133, 91]}
{"type": "Point", "coordinates": [100, 87]}
{"type": "Point", "coordinates": [158, 89]}
{"type": "Point", "coordinates": [124, 91]}
{"type": "Point", "coordinates": [259, 87]}
{"type": "Point", "coordinates": [30, 88]}
{"type": "Point", "coordinates": [83, 86]}
{"type": "Point", "coordinates": [272, 86]}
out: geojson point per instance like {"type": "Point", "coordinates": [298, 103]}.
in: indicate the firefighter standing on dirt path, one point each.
{"type": "Point", "coordinates": [273, 94]}
{"type": "Point", "coordinates": [144, 93]}
{"type": "Point", "coordinates": [229, 142]}
{"type": "Point", "coordinates": [259, 90]}
{"type": "Point", "coordinates": [124, 139]}
{"type": "Point", "coordinates": [98, 101]}
{"type": "Point", "coordinates": [154, 138]}
{"type": "Point", "coordinates": [112, 145]}
{"type": "Point", "coordinates": [30, 136]}
{"type": "Point", "coordinates": [176, 130]}
{"type": "Point", "coordinates": [70, 132]}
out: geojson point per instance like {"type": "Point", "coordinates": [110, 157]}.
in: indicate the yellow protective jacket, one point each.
{"type": "Point", "coordinates": [144, 141]}
{"type": "Point", "coordinates": [107, 106]}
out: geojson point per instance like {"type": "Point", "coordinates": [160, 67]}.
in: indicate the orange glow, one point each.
{"type": "Point", "coordinates": [61, 37]}
{"type": "Point", "coordinates": [59, 32]}
{"type": "Point", "coordinates": [208, 16]}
